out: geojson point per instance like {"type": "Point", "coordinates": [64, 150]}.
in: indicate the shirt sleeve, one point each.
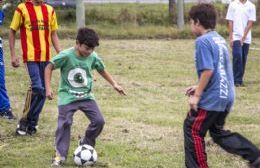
{"type": "Point", "coordinates": [230, 12]}
{"type": "Point", "coordinates": [252, 14]}
{"type": "Point", "coordinates": [59, 60]}
{"type": "Point", "coordinates": [54, 23]}
{"type": "Point", "coordinates": [99, 64]}
{"type": "Point", "coordinates": [204, 57]}
{"type": "Point", "coordinates": [17, 20]}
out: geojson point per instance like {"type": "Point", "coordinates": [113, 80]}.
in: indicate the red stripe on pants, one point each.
{"type": "Point", "coordinates": [198, 141]}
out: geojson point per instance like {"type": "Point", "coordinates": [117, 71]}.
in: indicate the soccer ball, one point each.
{"type": "Point", "coordinates": [85, 155]}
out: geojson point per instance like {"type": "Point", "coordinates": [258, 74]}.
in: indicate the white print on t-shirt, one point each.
{"type": "Point", "coordinates": [78, 94]}
{"type": "Point", "coordinates": [221, 68]}
{"type": "Point", "coordinates": [78, 78]}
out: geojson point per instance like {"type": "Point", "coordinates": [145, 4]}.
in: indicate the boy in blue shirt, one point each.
{"type": "Point", "coordinates": [212, 98]}
{"type": "Point", "coordinates": [75, 90]}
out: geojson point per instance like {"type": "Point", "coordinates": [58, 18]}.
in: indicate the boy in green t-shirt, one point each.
{"type": "Point", "coordinates": [75, 90]}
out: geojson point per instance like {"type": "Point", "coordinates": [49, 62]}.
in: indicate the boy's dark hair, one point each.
{"type": "Point", "coordinates": [88, 37]}
{"type": "Point", "coordinates": [205, 14]}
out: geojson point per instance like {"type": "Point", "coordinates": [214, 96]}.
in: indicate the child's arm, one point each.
{"type": "Point", "coordinates": [247, 29]}
{"type": "Point", "coordinates": [106, 75]}
{"type": "Point", "coordinates": [47, 76]}
{"type": "Point", "coordinates": [55, 41]}
{"type": "Point", "coordinates": [198, 90]}
{"type": "Point", "coordinates": [14, 59]}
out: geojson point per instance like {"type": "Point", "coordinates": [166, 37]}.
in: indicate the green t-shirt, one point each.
{"type": "Point", "coordinates": [76, 78]}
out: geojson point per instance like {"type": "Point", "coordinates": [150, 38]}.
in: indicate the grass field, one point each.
{"type": "Point", "coordinates": [144, 129]}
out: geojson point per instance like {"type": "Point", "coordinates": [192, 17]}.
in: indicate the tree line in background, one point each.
{"type": "Point", "coordinates": [132, 20]}
{"type": "Point", "coordinates": [176, 10]}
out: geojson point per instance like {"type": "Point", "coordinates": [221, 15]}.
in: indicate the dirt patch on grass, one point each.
{"type": "Point", "coordinates": [151, 137]}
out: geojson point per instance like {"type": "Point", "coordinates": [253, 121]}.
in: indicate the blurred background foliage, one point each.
{"type": "Point", "coordinates": [132, 20]}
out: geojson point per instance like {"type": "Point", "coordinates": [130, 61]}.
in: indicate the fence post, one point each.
{"type": "Point", "coordinates": [80, 13]}
{"type": "Point", "coordinates": [180, 20]}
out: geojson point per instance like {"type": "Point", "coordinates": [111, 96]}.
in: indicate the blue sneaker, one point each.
{"type": "Point", "coordinates": [8, 114]}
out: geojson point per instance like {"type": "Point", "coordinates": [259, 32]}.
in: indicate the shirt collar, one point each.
{"type": "Point", "coordinates": [30, 2]}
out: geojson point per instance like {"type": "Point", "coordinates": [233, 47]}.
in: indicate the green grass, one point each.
{"type": "Point", "coordinates": [144, 129]}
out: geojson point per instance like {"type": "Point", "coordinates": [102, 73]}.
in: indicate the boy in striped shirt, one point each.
{"type": "Point", "coordinates": [37, 24]}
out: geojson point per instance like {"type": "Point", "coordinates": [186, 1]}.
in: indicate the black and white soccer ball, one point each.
{"type": "Point", "coordinates": [85, 155]}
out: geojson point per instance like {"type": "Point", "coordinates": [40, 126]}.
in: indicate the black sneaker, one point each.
{"type": "Point", "coordinates": [21, 129]}
{"type": "Point", "coordinates": [8, 114]}
{"type": "Point", "coordinates": [31, 130]}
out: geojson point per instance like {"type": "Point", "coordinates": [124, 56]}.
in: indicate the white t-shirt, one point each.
{"type": "Point", "coordinates": [240, 14]}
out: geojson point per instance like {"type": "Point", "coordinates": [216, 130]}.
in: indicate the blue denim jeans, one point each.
{"type": "Point", "coordinates": [4, 99]}
{"type": "Point", "coordinates": [36, 94]}
{"type": "Point", "coordinates": [239, 60]}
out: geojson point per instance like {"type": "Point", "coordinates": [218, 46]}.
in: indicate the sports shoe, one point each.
{"type": "Point", "coordinates": [21, 129]}
{"type": "Point", "coordinates": [57, 161]}
{"type": "Point", "coordinates": [8, 114]}
{"type": "Point", "coordinates": [31, 130]}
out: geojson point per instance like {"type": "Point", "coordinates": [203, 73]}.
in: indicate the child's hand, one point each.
{"type": "Point", "coordinates": [190, 90]}
{"type": "Point", "coordinates": [15, 61]}
{"type": "Point", "coordinates": [119, 89]}
{"type": "Point", "coordinates": [193, 102]}
{"type": "Point", "coordinates": [242, 41]}
{"type": "Point", "coordinates": [49, 94]}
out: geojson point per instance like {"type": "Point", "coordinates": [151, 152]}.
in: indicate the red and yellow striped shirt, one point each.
{"type": "Point", "coordinates": [36, 24]}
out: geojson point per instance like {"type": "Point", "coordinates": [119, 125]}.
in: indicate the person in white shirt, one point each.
{"type": "Point", "coordinates": [241, 14]}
